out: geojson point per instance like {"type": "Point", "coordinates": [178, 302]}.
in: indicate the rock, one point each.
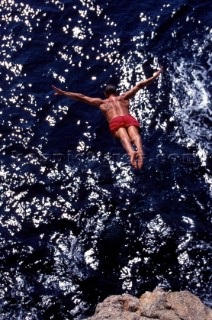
{"type": "Point", "coordinates": [156, 305]}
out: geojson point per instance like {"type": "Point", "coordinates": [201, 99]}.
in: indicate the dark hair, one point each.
{"type": "Point", "coordinates": [110, 89]}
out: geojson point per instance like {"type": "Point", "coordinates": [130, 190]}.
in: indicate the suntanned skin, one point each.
{"type": "Point", "coordinates": [114, 106]}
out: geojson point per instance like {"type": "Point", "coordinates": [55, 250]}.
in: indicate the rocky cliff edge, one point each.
{"type": "Point", "coordinates": [156, 305]}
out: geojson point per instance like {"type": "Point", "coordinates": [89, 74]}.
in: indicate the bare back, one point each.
{"type": "Point", "coordinates": [114, 106]}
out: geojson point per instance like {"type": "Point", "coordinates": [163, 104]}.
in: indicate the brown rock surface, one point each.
{"type": "Point", "coordinates": [156, 305]}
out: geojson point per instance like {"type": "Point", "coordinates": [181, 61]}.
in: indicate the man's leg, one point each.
{"type": "Point", "coordinates": [135, 137]}
{"type": "Point", "coordinates": [123, 136]}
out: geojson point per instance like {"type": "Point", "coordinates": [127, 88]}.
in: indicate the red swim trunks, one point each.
{"type": "Point", "coordinates": [123, 121]}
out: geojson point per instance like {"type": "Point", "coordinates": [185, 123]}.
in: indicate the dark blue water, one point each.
{"type": "Point", "coordinates": [77, 222]}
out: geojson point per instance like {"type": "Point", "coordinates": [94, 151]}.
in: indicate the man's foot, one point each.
{"type": "Point", "coordinates": [133, 159]}
{"type": "Point", "coordinates": [139, 159]}
{"type": "Point", "coordinates": [136, 159]}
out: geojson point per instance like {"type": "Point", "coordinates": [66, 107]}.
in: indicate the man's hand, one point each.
{"type": "Point", "coordinates": [58, 91]}
{"type": "Point", "coordinates": [156, 74]}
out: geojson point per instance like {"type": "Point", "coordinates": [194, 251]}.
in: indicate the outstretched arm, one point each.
{"type": "Point", "coordinates": [78, 97]}
{"type": "Point", "coordinates": [130, 93]}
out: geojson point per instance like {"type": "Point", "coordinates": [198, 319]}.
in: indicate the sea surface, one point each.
{"type": "Point", "coordinates": [77, 222]}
